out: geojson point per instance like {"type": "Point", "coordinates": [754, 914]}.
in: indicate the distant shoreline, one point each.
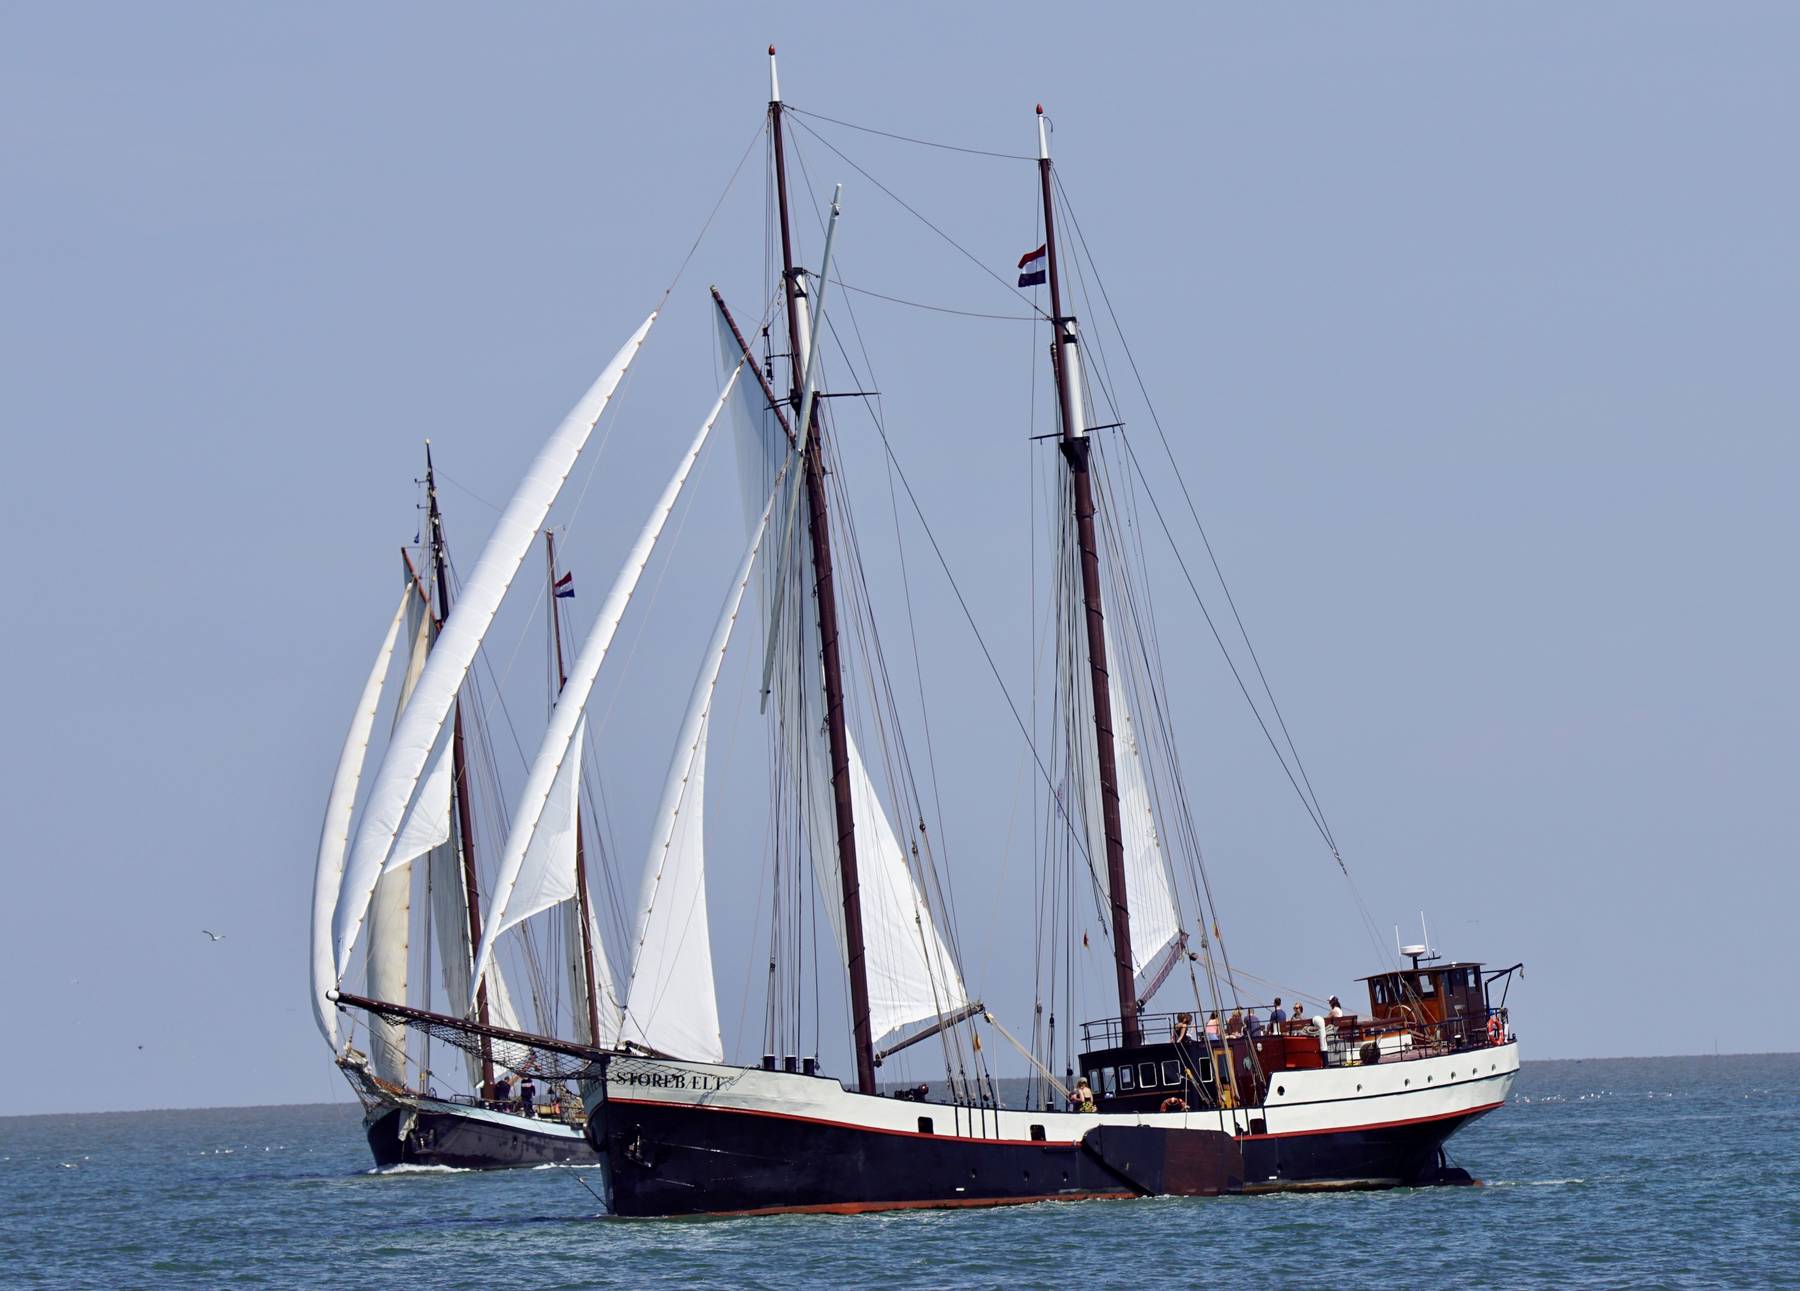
{"type": "Point", "coordinates": [351, 1103]}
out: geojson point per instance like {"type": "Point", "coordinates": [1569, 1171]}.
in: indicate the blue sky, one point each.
{"type": "Point", "coordinates": [1474, 333]}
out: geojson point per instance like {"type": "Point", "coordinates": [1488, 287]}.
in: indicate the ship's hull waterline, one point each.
{"type": "Point", "coordinates": [697, 1139]}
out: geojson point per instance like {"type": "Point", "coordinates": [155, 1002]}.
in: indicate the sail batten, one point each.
{"type": "Point", "coordinates": [457, 644]}
{"type": "Point", "coordinates": [334, 834]}
{"type": "Point", "coordinates": [553, 752]}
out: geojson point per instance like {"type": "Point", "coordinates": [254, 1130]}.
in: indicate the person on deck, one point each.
{"type": "Point", "coordinates": [1082, 1100]}
{"type": "Point", "coordinates": [527, 1093]}
{"type": "Point", "coordinates": [1212, 1028]}
{"type": "Point", "coordinates": [1184, 1027]}
{"type": "Point", "coordinates": [1298, 1021]}
{"type": "Point", "coordinates": [1277, 1016]}
{"type": "Point", "coordinates": [502, 1089]}
{"type": "Point", "coordinates": [1234, 1025]}
{"type": "Point", "coordinates": [1253, 1026]}
{"type": "Point", "coordinates": [1337, 1010]}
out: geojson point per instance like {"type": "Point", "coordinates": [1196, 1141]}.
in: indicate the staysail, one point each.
{"type": "Point", "coordinates": [334, 836]}
{"type": "Point", "coordinates": [457, 644]}
{"type": "Point", "coordinates": [672, 1001]}
{"type": "Point", "coordinates": [553, 752]}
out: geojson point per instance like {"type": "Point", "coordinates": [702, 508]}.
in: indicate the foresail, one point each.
{"type": "Point", "coordinates": [457, 644]}
{"type": "Point", "coordinates": [546, 874]}
{"type": "Point", "coordinates": [428, 823]}
{"type": "Point", "coordinates": [553, 752]}
{"type": "Point", "coordinates": [671, 1002]}
{"type": "Point", "coordinates": [334, 835]}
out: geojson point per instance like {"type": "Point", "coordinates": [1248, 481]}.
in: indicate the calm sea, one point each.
{"type": "Point", "coordinates": [1619, 1172]}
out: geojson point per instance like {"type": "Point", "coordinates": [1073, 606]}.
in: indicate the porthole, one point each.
{"type": "Point", "coordinates": [1359, 1089]}
{"type": "Point", "coordinates": [1429, 1079]}
{"type": "Point", "coordinates": [1407, 1081]}
{"type": "Point", "coordinates": [1280, 1089]}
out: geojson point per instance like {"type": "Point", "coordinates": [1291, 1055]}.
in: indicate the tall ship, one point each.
{"type": "Point", "coordinates": [1197, 1081]}
{"type": "Point", "coordinates": [423, 920]}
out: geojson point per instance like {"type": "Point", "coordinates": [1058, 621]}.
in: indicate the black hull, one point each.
{"type": "Point", "coordinates": [674, 1159]}
{"type": "Point", "coordinates": [468, 1143]}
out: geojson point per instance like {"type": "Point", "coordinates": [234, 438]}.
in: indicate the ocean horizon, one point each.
{"type": "Point", "coordinates": [1674, 1171]}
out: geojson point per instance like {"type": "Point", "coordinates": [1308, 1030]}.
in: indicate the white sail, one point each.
{"type": "Point", "coordinates": [1155, 917]}
{"type": "Point", "coordinates": [546, 874]}
{"type": "Point", "coordinates": [428, 823]}
{"type": "Point", "coordinates": [554, 749]}
{"type": "Point", "coordinates": [457, 644]}
{"type": "Point", "coordinates": [334, 835]}
{"type": "Point", "coordinates": [911, 973]}
{"type": "Point", "coordinates": [390, 907]}
{"type": "Point", "coordinates": [605, 998]}
{"type": "Point", "coordinates": [672, 1003]}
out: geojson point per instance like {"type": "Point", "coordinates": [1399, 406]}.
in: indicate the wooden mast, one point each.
{"type": "Point", "coordinates": [460, 773]}
{"type": "Point", "coordinates": [1074, 445]}
{"type": "Point", "coordinates": [581, 886]}
{"type": "Point", "coordinates": [794, 288]}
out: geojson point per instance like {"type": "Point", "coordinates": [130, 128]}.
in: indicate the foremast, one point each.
{"type": "Point", "coordinates": [1066, 363]}
{"type": "Point", "coordinates": [825, 592]}
{"type": "Point", "coordinates": [465, 819]}
{"type": "Point", "coordinates": [590, 987]}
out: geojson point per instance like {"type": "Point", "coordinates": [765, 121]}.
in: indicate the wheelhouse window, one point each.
{"type": "Point", "coordinates": [1127, 1082]}
{"type": "Point", "coordinates": [1171, 1072]}
{"type": "Point", "coordinates": [1147, 1075]}
{"type": "Point", "coordinates": [1108, 1082]}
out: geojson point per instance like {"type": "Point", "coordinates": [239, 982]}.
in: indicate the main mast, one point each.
{"type": "Point", "coordinates": [460, 774]}
{"type": "Point", "coordinates": [581, 885]}
{"type": "Point", "coordinates": [794, 289]}
{"type": "Point", "coordinates": [1066, 361]}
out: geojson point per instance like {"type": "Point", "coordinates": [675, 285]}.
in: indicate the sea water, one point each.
{"type": "Point", "coordinates": [1621, 1172]}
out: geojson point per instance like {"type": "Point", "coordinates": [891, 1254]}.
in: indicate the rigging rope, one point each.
{"type": "Point", "coordinates": [924, 143]}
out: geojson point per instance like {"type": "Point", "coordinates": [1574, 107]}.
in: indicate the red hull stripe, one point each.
{"type": "Point", "coordinates": [968, 1138]}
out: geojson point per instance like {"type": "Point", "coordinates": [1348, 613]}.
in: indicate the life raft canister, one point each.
{"type": "Point", "coordinates": [1496, 1030]}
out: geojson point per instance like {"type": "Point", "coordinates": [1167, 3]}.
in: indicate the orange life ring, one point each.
{"type": "Point", "coordinates": [1173, 1104]}
{"type": "Point", "coordinates": [1496, 1030]}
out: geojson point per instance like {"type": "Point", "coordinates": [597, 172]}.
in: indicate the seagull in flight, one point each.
{"type": "Point", "coordinates": [216, 936]}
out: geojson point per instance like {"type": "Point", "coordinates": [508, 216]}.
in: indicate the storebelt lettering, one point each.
{"type": "Point", "coordinates": [671, 1080]}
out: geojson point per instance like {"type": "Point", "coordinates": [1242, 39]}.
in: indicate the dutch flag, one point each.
{"type": "Point", "coordinates": [565, 586]}
{"type": "Point", "coordinates": [1031, 267]}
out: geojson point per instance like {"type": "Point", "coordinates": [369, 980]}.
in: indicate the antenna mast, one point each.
{"type": "Point", "coordinates": [1066, 361]}
{"type": "Point", "coordinates": [794, 288]}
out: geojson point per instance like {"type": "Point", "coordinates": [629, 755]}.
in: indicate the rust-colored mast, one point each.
{"type": "Point", "coordinates": [794, 285]}
{"type": "Point", "coordinates": [465, 818]}
{"type": "Point", "coordinates": [1074, 445]}
{"type": "Point", "coordinates": [581, 885]}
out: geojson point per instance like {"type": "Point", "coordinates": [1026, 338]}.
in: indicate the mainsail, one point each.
{"type": "Point", "coordinates": [390, 909]}
{"type": "Point", "coordinates": [554, 751]}
{"type": "Point", "coordinates": [456, 647]}
{"type": "Point", "coordinates": [672, 1004]}
{"type": "Point", "coordinates": [911, 973]}
{"type": "Point", "coordinates": [1149, 887]}
{"type": "Point", "coordinates": [334, 835]}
